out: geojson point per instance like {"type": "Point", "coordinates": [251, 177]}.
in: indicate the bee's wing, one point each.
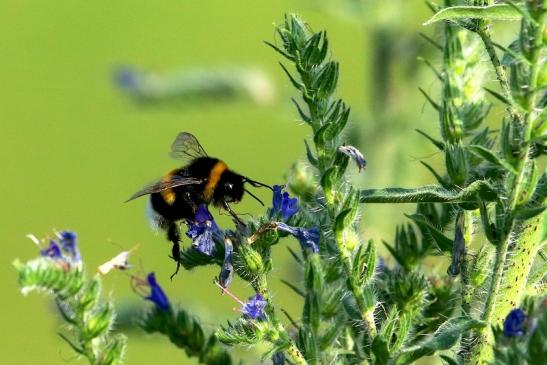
{"type": "Point", "coordinates": [186, 147]}
{"type": "Point", "coordinates": [166, 183]}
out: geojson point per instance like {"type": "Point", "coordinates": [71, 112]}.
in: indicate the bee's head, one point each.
{"type": "Point", "coordinates": [229, 188]}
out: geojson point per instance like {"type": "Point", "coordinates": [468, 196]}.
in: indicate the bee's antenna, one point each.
{"type": "Point", "coordinates": [257, 184]}
{"type": "Point", "coordinates": [254, 196]}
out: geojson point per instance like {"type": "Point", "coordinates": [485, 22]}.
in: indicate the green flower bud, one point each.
{"type": "Point", "coordinates": [251, 259]}
{"type": "Point", "coordinates": [98, 322]}
{"type": "Point", "coordinates": [456, 164]}
{"type": "Point", "coordinates": [90, 294]}
{"type": "Point", "coordinates": [301, 181]}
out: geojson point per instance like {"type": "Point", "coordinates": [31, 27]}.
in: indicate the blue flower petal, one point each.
{"type": "Point", "coordinates": [69, 245]}
{"type": "Point", "coordinates": [277, 199]}
{"type": "Point", "coordinates": [254, 308]}
{"type": "Point", "coordinates": [157, 296]}
{"type": "Point", "coordinates": [204, 242]}
{"type": "Point", "coordinates": [289, 207]}
{"type": "Point", "coordinates": [513, 325]}
{"type": "Point", "coordinates": [202, 214]}
{"type": "Point", "coordinates": [227, 271]}
{"type": "Point", "coordinates": [53, 251]}
{"type": "Point", "coordinates": [308, 237]}
{"type": "Point", "coordinates": [202, 229]}
{"type": "Point", "coordinates": [283, 204]}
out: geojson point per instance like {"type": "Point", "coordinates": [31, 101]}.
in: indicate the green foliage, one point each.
{"type": "Point", "coordinates": [185, 332]}
{"type": "Point", "coordinates": [492, 12]}
{"type": "Point", "coordinates": [491, 194]}
{"type": "Point", "coordinates": [89, 319]}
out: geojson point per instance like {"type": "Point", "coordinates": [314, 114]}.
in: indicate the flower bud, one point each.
{"type": "Point", "coordinates": [456, 164]}
{"type": "Point", "coordinates": [98, 322]}
{"type": "Point", "coordinates": [251, 259]}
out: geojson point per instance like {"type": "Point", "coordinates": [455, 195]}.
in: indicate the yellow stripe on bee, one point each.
{"type": "Point", "coordinates": [168, 194]}
{"type": "Point", "coordinates": [212, 181]}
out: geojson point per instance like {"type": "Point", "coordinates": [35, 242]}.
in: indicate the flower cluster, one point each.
{"type": "Point", "coordinates": [286, 207]}
{"type": "Point", "coordinates": [254, 307]}
{"type": "Point", "coordinates": [283, 204]}
{"type": "Point", "coordinates": [65, 250]}
{"type": "Point", "coordinates": [202, 229]}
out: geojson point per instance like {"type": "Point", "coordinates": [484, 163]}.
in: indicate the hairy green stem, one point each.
{"type": "Point", "coordinates": [485, 34]}
{"type": "Point", "coordinates": [509, 277]}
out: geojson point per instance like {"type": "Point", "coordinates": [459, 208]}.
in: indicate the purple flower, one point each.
{"type": "Point", "coordinates": [53, 251]}
{"type": "Point", "coordinates": [277, 199]}
{"type": "Point", "coordinates": [69, 245]}
{"type": "Point", "coordinates": [254, 308]}
{"type": "Point", "coordinates": [227, 271]}
{"type": "Point", "coordinates": [513, 325]}
{"type": "Point", "coordinates": [283, 203]}
{"type": "Point", "coordinates": [201, 230]}
{"type": "Point", "coordinates": [308, 237]}
{"type": "Point", "coordinates": [157, 296]}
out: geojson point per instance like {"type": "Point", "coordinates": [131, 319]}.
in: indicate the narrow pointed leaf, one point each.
{"type": "Point", "coordinates": [491, 157]}
{"type": "Point", "coordinates": [444, 243]}
{"type": "Point", "coordinates": [444, 338]}
{"type": "Point", "coordinates": [437, 143]}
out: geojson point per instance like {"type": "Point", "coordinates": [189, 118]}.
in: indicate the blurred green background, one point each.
{"type": "Point", "coordinates": [74, 147]}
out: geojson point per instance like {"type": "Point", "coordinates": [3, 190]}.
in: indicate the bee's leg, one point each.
{"type": "Point", "coordinates": [173, 235]}
{"type": "Point", "coordinates": [233, 214]}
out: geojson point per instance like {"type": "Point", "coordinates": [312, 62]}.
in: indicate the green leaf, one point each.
{"type": "Point", "coordinates": [437, 143]}
{"type": "Point", "coordinates": [491, 157]}
{"type": "Point", "coordinates": [434, 104]}
{"type": "Point", "coordinates": [492, 12]}
{"type": "Point", "coordinates": [444, 243]}
{"type": "Point", "coordinates": [431, 194]}
{"type": "Point", "coordinates": [293, 81]}
{"type": "Point", "coordinates": [303, 115]}
{"type": "Point", "coordinates": [444, 338]}
{"type": "Point", "coordinates": [380, 350]}
{"type": "Point", "coordinates": [439, 178]}
{"type": "Point", "coordinates": [400, 259]}
{"type": "Point", "coordinates": [498, 96]}
{"type": "Point", "coordinates": [529, 212]}
{"type": "Point", "coordinates": [294, 288]}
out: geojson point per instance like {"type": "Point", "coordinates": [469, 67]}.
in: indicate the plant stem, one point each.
{"type": "Point", "coordinates": [484, 33]}
{"type": "Point", "coordinates": [513, 235]}
{"type": "Point", "coordinates": [294, 355]}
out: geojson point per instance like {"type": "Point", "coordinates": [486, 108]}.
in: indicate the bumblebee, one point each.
{"type": "Point", "coordinates": [202, 180]}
